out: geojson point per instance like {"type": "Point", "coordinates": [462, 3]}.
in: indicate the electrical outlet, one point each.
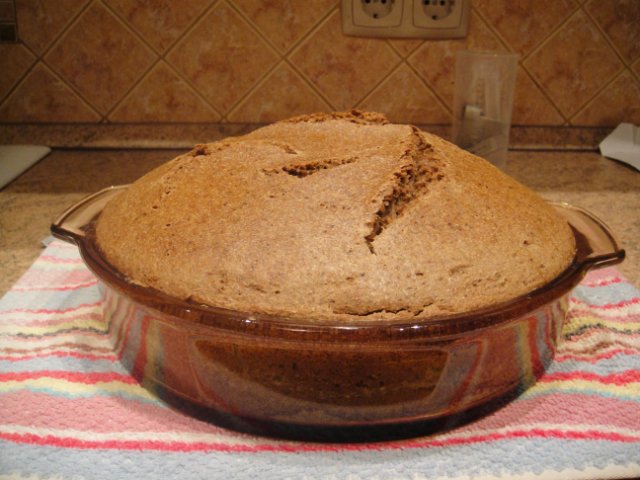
{"type": "Point", "coordinates": [373, 14]}
{"type": "Point", "coordinates": [439, 14]}
{"type": "Point", "coordinates": [406, 18]}
{"type": "Point", "coordinates": [377, 10]}
{"type": "Point", "coordinates": [433, 9]}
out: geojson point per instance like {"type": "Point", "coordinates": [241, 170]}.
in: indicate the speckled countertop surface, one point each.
{"type": "Point", "coordinates": [29, 204]}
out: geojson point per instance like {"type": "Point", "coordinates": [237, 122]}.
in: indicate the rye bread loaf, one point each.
{"type": "Point", "coordinates": [332, 217]}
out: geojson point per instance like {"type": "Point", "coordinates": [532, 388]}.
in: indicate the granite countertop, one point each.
{"type": "Point", "coordinates": [28, 205]}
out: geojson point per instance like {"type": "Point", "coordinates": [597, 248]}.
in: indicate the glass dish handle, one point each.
{"type": "Point", "coordinates": [597, 245]}
{"type": "Point", "coordinates": [70, 226]}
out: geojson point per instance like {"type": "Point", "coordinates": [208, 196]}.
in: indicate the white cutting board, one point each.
{"type": "Point", "coordinates": [15, 159]}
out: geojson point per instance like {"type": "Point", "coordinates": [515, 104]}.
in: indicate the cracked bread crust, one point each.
{"type": "Point", "coordinates": [335, 217]}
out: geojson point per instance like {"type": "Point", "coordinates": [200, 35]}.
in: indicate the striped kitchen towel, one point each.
{"type": "Point", "coordinates": [68, 408]}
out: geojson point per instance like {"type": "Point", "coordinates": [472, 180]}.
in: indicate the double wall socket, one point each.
{"type": "Point", "coordinates": [406, 18]}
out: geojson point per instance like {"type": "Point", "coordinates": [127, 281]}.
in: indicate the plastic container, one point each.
{"type": "Point", "coordinates": [483, 103]}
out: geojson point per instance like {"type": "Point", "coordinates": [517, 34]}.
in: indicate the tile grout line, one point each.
{"type": "Point", "coordinates": [609, 42]}
{"type": "Point", "coordinates": [65, 28]}
{"type": "Point", "coordinates": [262, 35]}
{"type": "Point", "coordinates": [74, 90]}
{"type": "Point", "coordinates": [255, 87]}
{"type": "Point", "coordinates": [62, 80]}
{"type": "Point", "coordinates": [398, 59]}
{"type": "Point", "coordinates": [430, 87]}
{"type": "Point", "coordinates": [128, 92]}
{"type": "Point", "coordinates": [195, 91]}
{"type": "Point", "coordinates": [534, 79]}
{"type": "Point", "coordinates": [189, 28]}
{"type": "Point", "coordinates": [627, 65]}
{"type": "Point", "coordinates": [611, 79]}
{"type": "Point", "coordinates": [591, 100]}
{"type": "Point", "coordinates": [196, 20]}
{"type": "Point", "coordinates": [544, 93]}
{"type": "Point", "coordinates": [379, 84]}
{"type": "Point", "coordinates": [427, 84]}
{"type": "Point", "coordinates": [399, 62]}
{"type": "Point", "coordinates": [221, 113]}
{"type": "Point", "coordinates": [40, 60]}
{"type": "Point", "coordinates": [443, 104]}
{"type": "Point", "coordinates": [525, 57]}
{"type": "Point", "coordinates": [548, 37]}
{"type": "Point", "coordinates": [123, 21]}
{"type": "Point", "coordinates": [495, 32]}
{"type": "Point", "coordinates": [315, 27]}
{"type": "Point", "coordinates": [261, 79]}
{"type": "Point", "coordinates": [537, 49]}
{"type": "Point", "coordinates": [254, 27]}
{"type": "Point", "coordinates": [397, 50]}
{"type": "Point", "coordinates": [261, 82]}
{"type": "Point", "coordinates": [22, 77]}
{"type": "Point", "coordinates": [147, 74]}
{"type": "Point", "coordinates": [56, 42]}
{"type": "Point", "coordinates": [309, 83]}
{"type": "Point", "coordinates": [634, 73]}
{"type": "Point", "coordinates": [187, 31]}
{"type": "Point", "coordinates": [160, 58]}
{"type": "Point", "coordinates": [394, 49]}
{"type": "Point", "coordinates": [180, 36]}
{"type": "Point", "coordinates": [296, 47]}
{"type": "Point", "coordinates": [402, 60]}
{"type": "Point", "coordinates": [284, 57]}
{"type": "Point", "coordinates": [144, 74]}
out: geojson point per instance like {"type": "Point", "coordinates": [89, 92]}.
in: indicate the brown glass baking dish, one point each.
{"type": "Point", "coordinates": [249, 370]}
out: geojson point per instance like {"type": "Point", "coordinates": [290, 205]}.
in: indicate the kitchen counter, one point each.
{"type": "Point", "coordinates": [608, 189]}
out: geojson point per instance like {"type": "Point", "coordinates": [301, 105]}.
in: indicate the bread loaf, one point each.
{"type": "Point", "coordinates": [335, 217]}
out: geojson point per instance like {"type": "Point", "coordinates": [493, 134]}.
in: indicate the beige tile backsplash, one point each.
{"type": "Point", "coordinates": [200, 61]}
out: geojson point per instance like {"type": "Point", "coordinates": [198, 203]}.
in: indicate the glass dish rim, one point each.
{"type": "Point", "coordinates": [204, 317]}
